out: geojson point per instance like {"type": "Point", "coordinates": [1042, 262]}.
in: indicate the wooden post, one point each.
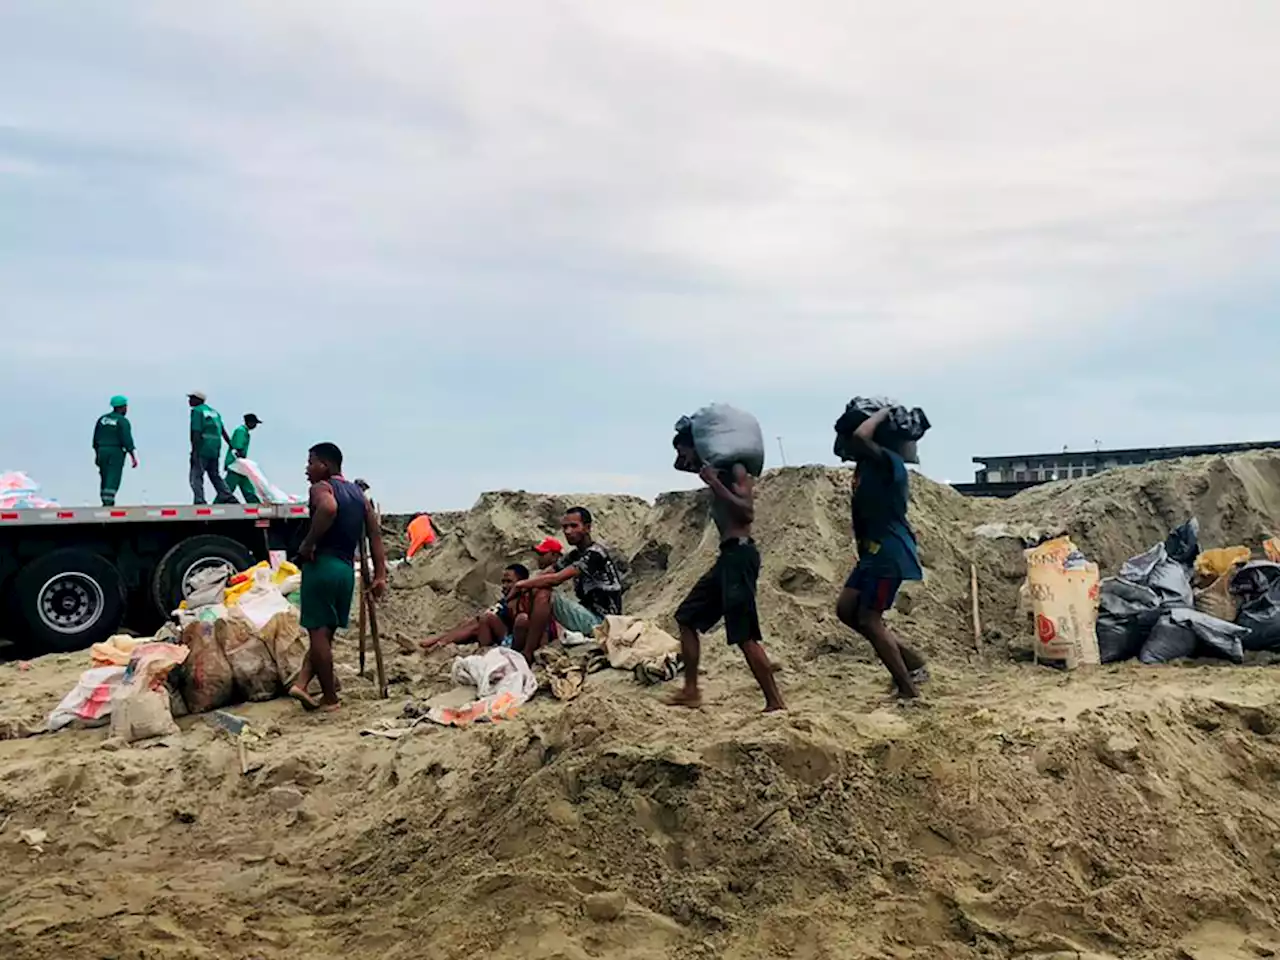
{"type": "Point", "coordinates": [977, 617]}
{"type": "Point", "coordinates": [368, 605]}
{"type": "Point", "coordinates": [362, 599]}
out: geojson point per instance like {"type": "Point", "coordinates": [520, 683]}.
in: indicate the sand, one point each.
{"type": "Point", "coordinates": [1121, 812]}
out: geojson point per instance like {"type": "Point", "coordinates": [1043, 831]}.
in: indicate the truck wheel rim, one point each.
{"type": "Point", "coordinates": [70, 603]}
{"type": "Point", "coordinates": [201, 567]}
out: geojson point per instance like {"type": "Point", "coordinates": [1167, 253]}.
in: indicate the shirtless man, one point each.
{"type": "Point", "coordinates": [728, 589]}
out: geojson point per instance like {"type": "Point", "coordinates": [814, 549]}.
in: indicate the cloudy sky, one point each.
{"type": "Point", "coordinates": [507, 244]}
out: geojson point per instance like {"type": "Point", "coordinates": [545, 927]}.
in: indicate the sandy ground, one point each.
{"type": "Point", "coordinates": [1120, 812]}
{"type": "Point", "coordinates": [1019, 812]}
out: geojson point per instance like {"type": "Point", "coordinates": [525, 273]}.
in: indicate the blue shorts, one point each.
{"type": "Point", "coordinates": [875, 592]}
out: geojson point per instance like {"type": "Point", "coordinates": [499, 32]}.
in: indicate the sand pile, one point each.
{"type": "Point", "coordinates": [1124, 812]}
{"type": "Point", "coordinates": [807, 551]}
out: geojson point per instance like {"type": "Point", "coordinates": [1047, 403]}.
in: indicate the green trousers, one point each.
{"type": "Point", "coordinates": [110, 471]}
{"type": "Point", "coordinates": [239, 483]}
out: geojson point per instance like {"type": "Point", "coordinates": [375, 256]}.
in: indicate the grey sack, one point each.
{"type": "Point", "coordinates": [724, 435]}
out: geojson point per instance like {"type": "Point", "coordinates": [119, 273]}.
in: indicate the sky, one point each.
{"type": "Point", "coordinates": [505, 245]}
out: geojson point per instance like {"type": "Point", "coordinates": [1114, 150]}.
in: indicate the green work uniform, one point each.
{"type": "Point", "coordinates": [238, 482]}
{"type": "Point", "coordinates": [112, 442]}
{"type": "Point", "coordinates": [207, 423]}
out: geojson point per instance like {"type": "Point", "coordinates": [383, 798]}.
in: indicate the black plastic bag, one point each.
{"type": "Point", "coordinates": [1254, 580]}
{"type": "Point", "coordinates": [1119, 639]}
{"type": "Point", "coordinates": [1170, 580]}
{"type": "Point", "coordinates": [1261, 617]}
{"type": "Point", "coordinates": [902, 425]}
{"type": "Point", "coordinates": [1214, 637]}
{"type": "Point", "coordinates": [1126, 613]}
{"type": "Point", "coordinates": [1168, 641]}
{"type": "Point", "coordinates": [1183, 543]}
{"type": "Point", "coordinates": [1187, 633]}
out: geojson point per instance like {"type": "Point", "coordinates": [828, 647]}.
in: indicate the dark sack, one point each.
{"type": "Point", "coordinates": [1183, 544]}
{"type": "Point", "coordinates": [1170, 580]}
{"type": "Point", "coordinates": [1168, 641]}
{"type": "Point", "coordinates": [1126, 613]}
{"type": "Point", "coordinates": [902, 425]}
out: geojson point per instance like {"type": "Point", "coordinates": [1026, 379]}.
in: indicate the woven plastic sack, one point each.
{"type": "Point", "coordinates": [252, 665]}
{"type": "Point", "coordinates": [207, 680]}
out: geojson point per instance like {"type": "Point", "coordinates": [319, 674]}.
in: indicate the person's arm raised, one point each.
{"type": "Point", "coordinates": [864, 436]}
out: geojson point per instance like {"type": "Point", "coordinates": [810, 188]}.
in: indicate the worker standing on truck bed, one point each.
{"type": "Point", "coordinates": [112, 441]}
{"type": "Point", "coordinates": [207, 434]}
{"type": "Point", "coordinates": [238, 448]}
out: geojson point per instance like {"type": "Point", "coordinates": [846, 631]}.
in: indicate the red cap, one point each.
{"type": "Point", "coordinates": [549, 545]}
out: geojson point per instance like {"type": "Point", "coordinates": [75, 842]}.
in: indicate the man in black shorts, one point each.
{"type": "Point", "coordinates": [728, 590]}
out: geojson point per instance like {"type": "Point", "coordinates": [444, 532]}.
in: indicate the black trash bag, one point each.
{"type": "Point", "coordinates": [902, 425]}
{"type": "Point", "coordinates": [1126, 613]}
{"type": "Point", "coordinates": [1183, 543]}
{"type": "Point", "coordinates": [724, 435]}
{"type": "Point", "coordinates": [1254, 580]}
{"type": "Point", "coordinates": [1214, 637]}
{"type": "Point", "coordinates": [1168, 641]}
{"type": "Point", "coordinates": [1170, 580]}
{"type": "Point", "coordinates": [1260, 616]}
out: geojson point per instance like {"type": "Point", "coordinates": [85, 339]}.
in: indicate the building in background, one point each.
{"type": "Point", "coordinates": [1005, 475]}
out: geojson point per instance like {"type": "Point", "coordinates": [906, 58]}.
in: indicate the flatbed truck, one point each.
{"type": "Point", "coordinates": [73, 576]}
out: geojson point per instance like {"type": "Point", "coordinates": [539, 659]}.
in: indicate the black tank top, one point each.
{"type": "Point", "coordinates": [343, 538]}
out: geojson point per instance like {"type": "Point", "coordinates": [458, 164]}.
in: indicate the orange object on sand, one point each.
{"type": "Point", "coordinates": [421, 533]}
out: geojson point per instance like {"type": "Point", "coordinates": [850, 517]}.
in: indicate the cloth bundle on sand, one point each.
{"type": "Point", "coordinates": [503, 682]}
{"type": "Point", "coordinates": [631, 643]}
{"type": "Point", "coordinates": [561, 673]}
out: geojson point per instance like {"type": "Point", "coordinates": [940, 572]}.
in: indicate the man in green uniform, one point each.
{"type": "Point", "coordinates": [112, 440]}
{"type": "Point", "coordinates": [239, 447]}
{"type": "Point", "coordinates": [207, 434]}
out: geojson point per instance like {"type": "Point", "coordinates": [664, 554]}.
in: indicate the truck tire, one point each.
{"type": "Point", "coordinates": [68, 600]}
{"type": "Point", "coordinates": [170, 584]}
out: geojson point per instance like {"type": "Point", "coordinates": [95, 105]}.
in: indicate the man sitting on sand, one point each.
{"type": "Point", "coordinates": [509, 617]}
{"type": "Point", "coordinates": [596, 584]}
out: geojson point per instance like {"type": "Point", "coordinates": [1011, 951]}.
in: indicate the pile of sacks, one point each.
{"type": "Point", "coordinates": [19, 492]}
{"type": "Point", "coordinates": [1173, 601]}
{"type": "Point", "coordinates": [236, 640]}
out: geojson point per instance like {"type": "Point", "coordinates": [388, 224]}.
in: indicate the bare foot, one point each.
{"type": "Point", "coordinates": [691, 699]}
{"type": "Point", "coordinates": [776, 706]}
{"type": "Point", "coordinates": [308, 702]}
{"type": "Point", "coordinates": [328, 707]}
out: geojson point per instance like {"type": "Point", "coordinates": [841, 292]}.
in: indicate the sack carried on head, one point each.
{"type": "Point", "coordinates": [902, 427]}
{"type": "Point", "coordinates": [722, 435]}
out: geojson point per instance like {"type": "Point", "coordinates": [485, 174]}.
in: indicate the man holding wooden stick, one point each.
{"type": "Point", "coordinates": [341, 518]}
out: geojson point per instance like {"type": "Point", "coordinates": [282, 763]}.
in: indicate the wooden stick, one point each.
{"type": "Point", "coordinates": [977, 617]}
{"type": "Point", "coordinates": [367, 579]}
{"type": "Point", "coordinates": [360, 596]}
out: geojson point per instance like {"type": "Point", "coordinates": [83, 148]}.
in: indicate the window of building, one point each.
{"type": "Point", "coordinates": [1020, 476]}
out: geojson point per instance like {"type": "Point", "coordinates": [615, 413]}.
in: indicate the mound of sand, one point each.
{"type": "Point", "coordinates": [1123, 812]}
{"type": "Point", "coordinates": [807, 551]}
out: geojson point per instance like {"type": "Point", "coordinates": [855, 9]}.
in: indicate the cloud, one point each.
{"type": "Point", "coordinates": [709, 199]}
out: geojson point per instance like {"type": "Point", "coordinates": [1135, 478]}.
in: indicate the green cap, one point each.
{"type": "Point", "coordinates": [119, 401]}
